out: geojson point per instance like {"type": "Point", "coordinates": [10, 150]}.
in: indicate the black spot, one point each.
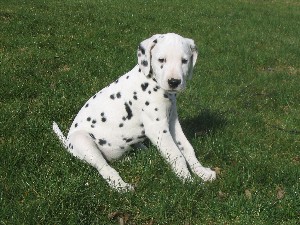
{"type": "Point", "coordinates": [92, 126]}
{"type": "Point", "coordinates": [92, 136]}
{"type": "Point", "coordinates": [142, 49]}
{"type": "Point", "coordinates": [157, 119]}
{"type": "Point", "coordinates": [144, 63]}
{"type": "Point", "coordinates": [103, 119]}
{"type": "Point", "coordinates": [140, 70]}
{"type": "Point", "coordinates": [94, 96]}
{"type": "Point", "coordinates": [143, 132]}
{"type": "Point", "coordinates": [141, 137]}
{"type": "Point", "coordinates": [165, 131]}
{"type": "Point", "coordinates": [142, 125]}
{"type": "Point", "coordinates": [166, 96]}
{"type": "Point", "coordinates": [155, 41]}
{"type": "Point", "coordinates": [128, 110]}
{"type": "Point", "coordinates": [129, 140]}
{"type": "Point", "coordinates": [179, 143]}
{"type": "Point", "coordinates": [118, 95]}
{"type": "Point", "coordinates": [127, 77]}
{"type": "Point", "coordinates": [149, 92]}
{"type": "Point", "coordinates": [112, 96]}
{"type": "Point", "coordinates": [130, 103]}
{"type": "Point", "coordinates": [124, 118]}
{"type": "Point", "coordinates": [102, 114]}
{"type": "Point", "coordinates": [94, 121]}
{"type": "Point", "coordinates": [135, 97]}
{"type": "Point", "coordinates": [117, 81]}
{"type": "Point", "coordinates": [76, 124]}
{"type": "Point", "coordinates": [88, 119]}
{"type": "Point", "coordinates": [87, 105]}
{"type": "Point", "coordinates": [154, 79]}
{"type": "Point", "coordinates": [121, 125]}
{"type": "Point", "coordinates": [156, 109]}
{"type": "Point", "coordinates": [102, 142]}
{"type": "Point", "coordinates": [122, 147]}
{"type": "Point", "coordinates": [147, 103]}
{"type": "Point", "coordinates": [144, 86]}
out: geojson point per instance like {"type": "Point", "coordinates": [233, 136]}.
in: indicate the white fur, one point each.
{"type": "Point", "coordinates": [140, 104]}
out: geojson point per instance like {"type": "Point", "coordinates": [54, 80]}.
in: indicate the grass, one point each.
{"type": "Point", "coordinates": [240, 111]}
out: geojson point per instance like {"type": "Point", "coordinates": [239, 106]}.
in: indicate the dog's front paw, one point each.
{"type": "Point", "coordinates": [124, 188]}
{"type": "Point", "coordinates": [206, 174]}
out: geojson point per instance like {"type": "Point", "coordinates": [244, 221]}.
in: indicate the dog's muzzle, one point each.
{"type": "Point", "coordinates": [174, 83]}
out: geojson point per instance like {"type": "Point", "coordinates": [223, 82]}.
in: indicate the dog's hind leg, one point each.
{"type": "Point", "coordinates": [82, 146]}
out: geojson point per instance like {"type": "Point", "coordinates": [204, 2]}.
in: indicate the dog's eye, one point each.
{"type": "Point", "coordinates": [162, 60]}
{"type": "Point", "coordinates": [184, 61]}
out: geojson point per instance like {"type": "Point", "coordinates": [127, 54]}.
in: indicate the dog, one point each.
{"type": "Point", "coordinates": [140, 104]}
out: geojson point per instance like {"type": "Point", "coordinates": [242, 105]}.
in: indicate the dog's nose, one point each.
{"type": "Point", "coordinates": [173, 83]}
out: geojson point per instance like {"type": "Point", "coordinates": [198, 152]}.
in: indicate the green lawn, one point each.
{"type": "Point", "coordinates": [241, 111]}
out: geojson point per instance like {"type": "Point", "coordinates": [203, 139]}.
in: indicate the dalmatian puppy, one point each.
{"type": "Point", "coordinates": [140, 104]}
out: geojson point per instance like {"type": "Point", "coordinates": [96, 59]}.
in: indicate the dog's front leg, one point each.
{"type": "Point", "coordinates": [159, 135]}
{"type": "Point", "coordinates": [187, 149]}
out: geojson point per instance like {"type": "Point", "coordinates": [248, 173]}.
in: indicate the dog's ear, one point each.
{"type": "Point", "coordinates": [144, 53]}
{"type": "Point", "coordinates": [194, 56]}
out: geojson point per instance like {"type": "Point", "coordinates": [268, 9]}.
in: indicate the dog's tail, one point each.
{"type": "Point", "coordinates": [60, 135]}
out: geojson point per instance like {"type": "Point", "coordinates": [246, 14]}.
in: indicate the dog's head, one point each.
{"type": "Point", "coordinates": [169, 58]}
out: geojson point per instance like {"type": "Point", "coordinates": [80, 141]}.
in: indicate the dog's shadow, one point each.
{"type": "Point", "coordinates": [207, 122]}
